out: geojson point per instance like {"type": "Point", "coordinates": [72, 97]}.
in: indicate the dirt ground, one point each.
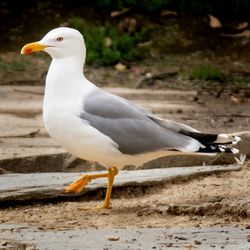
{"type": "Point", "coordinates": [214, 200]}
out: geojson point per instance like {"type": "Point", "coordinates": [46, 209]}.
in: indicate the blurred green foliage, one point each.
{"type": "Point", "coordinates": [206, 72]}
{"type": "Point", "coordinates": [108, 46]}
{"type": "Point", "coordinates": [226, 9]}
{"type": "Point", "coordinates": [12, 66]}
{"type": "Point", "coordinates": [143, 5]}
{"type": "Point", "coordinates": [223, 8]}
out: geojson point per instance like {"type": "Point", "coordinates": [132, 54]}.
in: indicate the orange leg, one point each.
{"type": "Point", "coordinates": [80, 183]}
{"type": "Point", "coordinates": [111, 176]}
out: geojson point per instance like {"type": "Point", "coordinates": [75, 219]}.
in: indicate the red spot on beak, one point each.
{"type": "Point", "coordinates": [28, 51]}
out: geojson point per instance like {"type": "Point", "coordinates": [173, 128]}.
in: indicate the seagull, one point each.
{"type": "Point", "coordinates": [98, 126]}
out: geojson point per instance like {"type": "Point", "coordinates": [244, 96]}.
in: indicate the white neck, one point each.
{"type": "Point", "coordinates": [65, 77]}
{"type": "Point", "coordinates": [68, 65]}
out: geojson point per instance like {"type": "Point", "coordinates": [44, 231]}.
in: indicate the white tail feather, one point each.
{"type": "Point", "coordinates": [227, 138]}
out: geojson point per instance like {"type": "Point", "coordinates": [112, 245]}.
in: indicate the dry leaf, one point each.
{"type": "Point", "coordinates": [128, 25]}
{"type": "Point", "coordinates": [119, 13]}
{"type": "Point", "coordinates": [214, 22]}
{"type": "Point", "coordinates": [237, 99]}
{"type": "Point", "coordinates": [107, 41]}
{"type": "Point", "coordinates": [132, 25]}
{"type": "Point", "coordinates": [242, 26]}
{"type": "Point", "coordinates": [168, 13]}
{"type": "Point", "coordinates": [120, 67]}
{"type": "Point", "coordinates": [245, 33]}
{"type": "Point", "coordinates": [137, 70]}
{"type": "Point", "coordinates": [149, 75]}
{"type": "Point", "coordinates": [145, 44]}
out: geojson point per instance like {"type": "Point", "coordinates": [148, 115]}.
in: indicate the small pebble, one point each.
{"type": "Point", "coordinates": [197, 242]}
{"type": "Point", "coordinates": [113, 238]}
{"type": "Point", "coordinates": [169, 244]}
{"type": "Point", "coordinates": [180, 238]}
{"type": "Point", "coordinates": [200, 102]}
{"type": "Point", "coordinates": [196, 98]}
{"type": "Point", "coordinates": [230, 119]}
{"type": "Point", "coordinates": [4, 243]}
{"type": "Point", "coordinates": [248, 238]}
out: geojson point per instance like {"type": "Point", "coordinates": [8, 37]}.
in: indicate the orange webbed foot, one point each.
{"type": "Point", "coordinates": [78, 185]}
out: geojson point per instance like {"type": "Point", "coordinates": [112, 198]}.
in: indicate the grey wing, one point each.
{"type": "Point", "coordinates": [131, 128]}
{"type": "Point", "coordinates": [174, 126]}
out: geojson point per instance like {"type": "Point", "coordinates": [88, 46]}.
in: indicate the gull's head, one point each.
{"type": "Point", "coordinates": [59, 43]}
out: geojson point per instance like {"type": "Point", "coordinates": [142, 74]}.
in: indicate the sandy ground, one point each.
{"type": "Point", "coordinates": [215, 200]}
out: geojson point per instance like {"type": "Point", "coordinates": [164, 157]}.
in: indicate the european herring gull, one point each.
{"type": "Point", "coordinates": [98, 126]}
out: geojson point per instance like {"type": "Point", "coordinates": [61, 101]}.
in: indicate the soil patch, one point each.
{"type": "Point", "coordinates": [205, 201]}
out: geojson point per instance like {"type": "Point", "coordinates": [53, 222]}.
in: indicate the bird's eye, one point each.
{"type": "Point", "coordinates": [59, 39]}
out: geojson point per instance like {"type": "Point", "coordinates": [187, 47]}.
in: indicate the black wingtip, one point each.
{"type": "Point", "coordinates": [217, 149]}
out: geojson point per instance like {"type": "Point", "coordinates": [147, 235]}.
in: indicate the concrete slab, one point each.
{"type": "Point", "coordinates": [14, 148]}
{"type": "Point", "coordinates": [158, 94]}
{"type": "Point", "coordinates": [16, 126]}
{"type": "Point", "coordinates": [32, 238]}
{"type": "Point", "coordinates": [38, 186]}
{"type": "Point", "coordinates": [27, 100]}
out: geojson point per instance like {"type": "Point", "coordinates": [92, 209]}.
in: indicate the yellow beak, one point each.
{"type": "Point", "coordinates": [33, 47]}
